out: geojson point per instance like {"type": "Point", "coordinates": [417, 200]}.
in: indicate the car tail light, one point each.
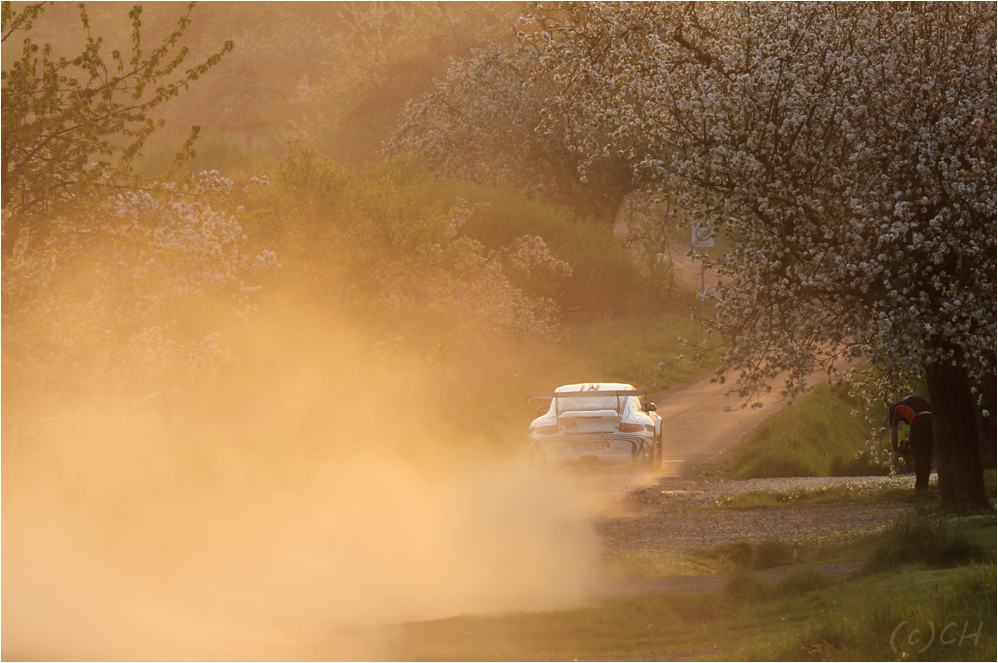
{"type": "Point", "coordinates": [546, 430]}
{"type": "Point", "coordinates": [631, 428]}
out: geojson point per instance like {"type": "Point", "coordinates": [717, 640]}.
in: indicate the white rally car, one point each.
{"type": "Point", "coordinates": [596, 423]}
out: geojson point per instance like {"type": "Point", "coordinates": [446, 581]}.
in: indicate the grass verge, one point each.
{"type": "Point", "coordinates": [846, 494]}
{"type": "Point", "coordinates": [951, 617]}
{"type": "Point", "coordinates": [931, 540]}
{"type": "Point", "coordinates": [817, 436]}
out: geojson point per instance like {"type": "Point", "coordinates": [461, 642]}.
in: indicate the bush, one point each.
{"type": "Point", "coordinates": [771, 552]}
{"type": "Point", "coordinates": [923, 539]}
{"type": "Point", "coordinates": [800, 581]}
{"type": "Point", "coordinates": [752, 555]}
{"type": "Point", "coordinates": [743, 586]}
{"type": "Point", "coordinates": [605, 280]}
{"type": "Point", "coordinates": [738, 553]}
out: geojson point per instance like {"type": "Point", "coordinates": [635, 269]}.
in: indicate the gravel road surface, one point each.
{"type": "Point", "coordinates": [669, 513]}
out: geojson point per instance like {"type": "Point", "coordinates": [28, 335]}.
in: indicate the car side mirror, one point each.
{"type": "Point", "coordinates": [542, 409]}
{"type": "Point", "coordinates": [649, 407]}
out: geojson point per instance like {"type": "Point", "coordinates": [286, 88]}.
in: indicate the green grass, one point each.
{"type": "Point", "coordinates": [885, 627]}
{"type": "Point", "coordinates": [751, 555]}
{"type": "Point", "coordinates": [755, 555]}
{"type": "Point", "coordinates": [930, 540]}
{"type": "Point", "coordinates": [799, 581]}
{"type": "Point", "coordinates": [854, 545]}
{"type": "Point", "coordinates": [816, 436]}
{"type": "Point", "coordinates": [897, 490]}
{"type": "Point", "coordinates": [851, 494]}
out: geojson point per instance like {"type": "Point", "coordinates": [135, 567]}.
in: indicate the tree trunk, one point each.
{"type": "Point", "coordinates": [954, 426]}
{"type": "Point", "coordinates": [986, 422]}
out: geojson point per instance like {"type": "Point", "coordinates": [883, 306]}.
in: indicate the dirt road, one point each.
{"type": "Point", "coordinates": [697, 429]}
{"type": "Point", "coordinates": [678, 513]}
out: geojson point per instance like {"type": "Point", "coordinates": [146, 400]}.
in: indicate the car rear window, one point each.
{"type": "Point", "coordinates": [588, 403]}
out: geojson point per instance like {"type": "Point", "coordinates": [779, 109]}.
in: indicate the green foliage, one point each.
{"type": "Point", "coordinates": [642, 350]}
{"type": "Point", "coordinates": [213, 150]}
{"type": "Point", "coordinates": [819, 435]}
{"type": "Point", "coordinates": [605, 279]}
{"type": "Point", "coordinates": [771, 552]}
{"type": "Point", "coordinates": [801, 581]}
{"type": "Point", "coordinates": [72, 126]}
{"type": "Point", "coordinates": [304, 171]}
{"type": "Point", "coordinates": [99, 264]}
{"type": "Point", "coordinates": [421, 258]}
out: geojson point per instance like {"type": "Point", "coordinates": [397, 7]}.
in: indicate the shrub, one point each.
{"type": "Point", "coordinates": [737, 553]}
{"type": "Point", "coordinates": [771, 552]}
{"type": "Point", "coordinates": [213, 150]}
{"type": "Point", "coordinates": [923, 539]}
{"type": "Point", "coordinates": [605, 279]}
{"type": "Point", "coordinates": [742, 585]}
{"type": "Point", "coordinates": [800, 581]}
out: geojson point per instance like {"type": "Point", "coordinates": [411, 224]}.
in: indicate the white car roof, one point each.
{"type": "Point", "coordinates": [596, 386]}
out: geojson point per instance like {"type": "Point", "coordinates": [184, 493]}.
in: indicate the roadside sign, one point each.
{"type": "Point", "coordinates": [702, 237]}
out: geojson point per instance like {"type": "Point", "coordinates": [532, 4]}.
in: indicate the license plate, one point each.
{"type": "Point", "coordinates": [587, 446]}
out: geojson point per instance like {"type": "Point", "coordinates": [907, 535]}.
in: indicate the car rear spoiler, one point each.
{"type": "Point", "coordinates": [589, 393]}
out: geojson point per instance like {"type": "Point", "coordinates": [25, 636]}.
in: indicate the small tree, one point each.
{"type": "Point", "coordinates": [105, 274]}
{"type": "Point", "coordinates": [71, 127]}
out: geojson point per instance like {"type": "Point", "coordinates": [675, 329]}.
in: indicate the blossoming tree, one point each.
{"type": "Point", "coordinates": [849, 149]}
{"type": "Point", "coordinates": [481, 123]}
{"type": "Point", "coordinates": [104, 272]}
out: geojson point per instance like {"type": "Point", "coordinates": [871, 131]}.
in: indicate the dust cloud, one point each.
{"type": "Point", "coordinates": [284, 532]}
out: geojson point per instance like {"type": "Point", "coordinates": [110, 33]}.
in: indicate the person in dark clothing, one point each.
{"type": "Point", "coordinates": [915, 412]}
